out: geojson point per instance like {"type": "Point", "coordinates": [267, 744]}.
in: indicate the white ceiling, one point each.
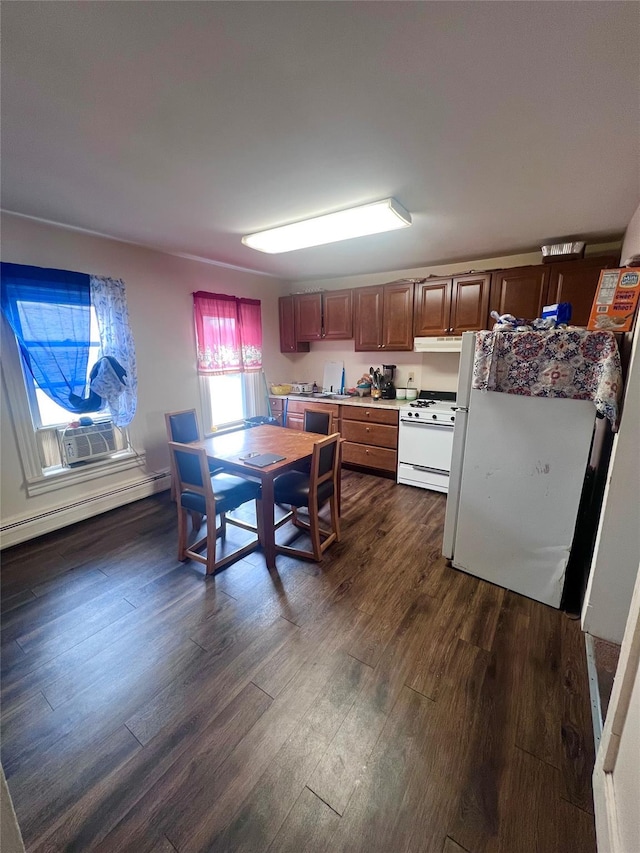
{"type": "Point", "coordinates": [185, 125]}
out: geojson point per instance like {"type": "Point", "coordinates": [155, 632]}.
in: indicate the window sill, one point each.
{"type": "Point", "coordinates": [62, 478]}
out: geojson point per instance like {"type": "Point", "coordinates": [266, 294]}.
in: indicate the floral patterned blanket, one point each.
{"type": "Point", "coordinates": [571, 363]}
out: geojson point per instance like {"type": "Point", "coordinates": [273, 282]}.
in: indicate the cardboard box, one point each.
{"type": "Point", "coordinates": [616, 300]}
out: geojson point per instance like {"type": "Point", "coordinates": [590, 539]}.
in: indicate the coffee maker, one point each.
{"type": "Point", "coordinates": [387, 388]}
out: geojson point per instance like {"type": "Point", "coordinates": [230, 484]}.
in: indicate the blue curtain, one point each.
{"type": "Point", "coordinates": [50, 314]}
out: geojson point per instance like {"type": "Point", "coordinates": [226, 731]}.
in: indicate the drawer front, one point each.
{"type": "Point", "coordinates": [372, 415]}
{"type": "Point", "coordinates": [276, 404]}
{"type": "Point", "coordinates": [380, 435]}
{"type": "Point", "coordinates": [299, 406]}
{"type": "Point", "coordinates": [372, 457]}
{"type": "Point", "coordinates": [295, 421]}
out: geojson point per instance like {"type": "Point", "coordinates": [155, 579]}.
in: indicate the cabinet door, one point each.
{"type": "Point", "coordinates": [397, 316]}
{"type": "Point", "coordinates": [288, 342]}
{"type": "Point", "coordinates": [432, 308]}
{"type": "Point", "coordinates": [368, 318]}
{"type": "Point", "coordinates": [576, 282]}
{"type": "Point", "coordinates": [338, 315]}
{"type": "Point", "coordinates": [520, 291]}
{"type": "Point", "coordinates": [469, 303]}
{"type": "Point", "coordinates": [308, 310]}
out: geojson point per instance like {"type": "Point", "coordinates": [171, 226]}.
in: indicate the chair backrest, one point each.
{"type": "Point", "coordinates": [192, 468]}
{"type": "Point", "coordinates": [182, 426]}
{"type": "Point", "coordinates": [318, 420]}
{"type": "Point", "coordinates": [324, 461]}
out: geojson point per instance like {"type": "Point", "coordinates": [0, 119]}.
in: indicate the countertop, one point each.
{"type": "Point", "coordinates": [351, 401]}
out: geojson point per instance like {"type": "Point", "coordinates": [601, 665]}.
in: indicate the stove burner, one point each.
{"type": "Point", "coordinates": [422, 404]}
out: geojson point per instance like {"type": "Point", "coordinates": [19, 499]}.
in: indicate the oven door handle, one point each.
{"type": "Point", "coordinates": [426, 424]}
{"type": "Point", "coordinates": [429, 470]}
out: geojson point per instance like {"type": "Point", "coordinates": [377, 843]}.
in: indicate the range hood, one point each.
{"type": "Point", "coordinates": [443, 343]}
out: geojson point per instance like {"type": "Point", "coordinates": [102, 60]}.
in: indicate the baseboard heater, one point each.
{"type": "Point", "coordinates": [76, 504]}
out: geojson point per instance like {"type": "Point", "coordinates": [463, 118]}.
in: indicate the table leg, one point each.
{"type": "Point", "coordinates": [268, 532]}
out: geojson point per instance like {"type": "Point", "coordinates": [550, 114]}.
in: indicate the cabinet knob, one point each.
{"type": "Point", "coordinates": [367, 413]}
{"type": "Point", "coordinates": [367, 429]}
{"type": "Point", "coordinates": [379, 346]}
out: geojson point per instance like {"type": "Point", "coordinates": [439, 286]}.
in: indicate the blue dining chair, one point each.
{"type": "Point", "coordinates": [210, 496]}
{"type": "Point", "coordinates": [183, 428]}
{"type": "Point", "coordinates": [298, 489]}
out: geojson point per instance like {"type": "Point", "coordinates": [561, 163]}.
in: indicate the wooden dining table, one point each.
{"type": "Point", "coordinates": [226, 449]}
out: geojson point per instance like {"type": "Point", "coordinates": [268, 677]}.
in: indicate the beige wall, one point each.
{"type": "Point", "coordinates": [159, 289]}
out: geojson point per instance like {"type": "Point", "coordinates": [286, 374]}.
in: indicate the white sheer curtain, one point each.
{"type": "Point", "coordinates": [109, 300]}
{"type": "Point", "coordinates": [255, 398]}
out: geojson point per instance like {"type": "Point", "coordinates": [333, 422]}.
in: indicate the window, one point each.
{"type": "Point", "coordinates": [45, 412]}
{"type": "Point", "coordinates": [229, 353]}
{"type": "Point", "coordinates": [73, 357]}
{"type": "Point", "coordinates": [227, 399]}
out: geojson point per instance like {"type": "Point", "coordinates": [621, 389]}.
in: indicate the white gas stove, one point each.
{"type": "Point", "coordinates": [425, 440]}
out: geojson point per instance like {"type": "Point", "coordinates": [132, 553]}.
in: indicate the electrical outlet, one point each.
{"type": "Point", "coordinates": [411, 377]}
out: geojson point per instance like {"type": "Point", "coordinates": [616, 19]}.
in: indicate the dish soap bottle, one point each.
{"type": "Point", "coordinates": [315, 388]}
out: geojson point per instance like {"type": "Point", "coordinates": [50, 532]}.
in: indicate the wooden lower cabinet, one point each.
{"type": "Point", "coordinates": [370, 434]}
{"type": "Point", "coordinates": [296, 410]}
{"type": "Point", "coordinates": [277, 406]}
{"type": "Point", "coordinates": [370, 437]}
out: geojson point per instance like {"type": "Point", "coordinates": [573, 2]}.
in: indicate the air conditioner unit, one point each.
{"type": "Point", "coordinates": [80, 444]}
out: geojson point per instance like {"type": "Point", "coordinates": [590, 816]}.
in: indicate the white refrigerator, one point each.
{"type": "Point", "coordinates": [517, 474]}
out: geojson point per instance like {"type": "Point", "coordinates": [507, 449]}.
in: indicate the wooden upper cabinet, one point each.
{"type": "Point", "coordinates": [576, 282]}
{"type": "Point", "coordinates": [337, 308]}
{"type": "Point", "coordinates": [469, 303]}
{"type": "Point", "coordinates": [324, 316]}
{"type": "Point", "coordinates": [432, 307]}
{"type": "Point", "coordinates": [368, 318]}
{"type": "Point", "coordinates": [384, 317]}
{"type": "Point", "coordinates": [521, 291]}
{"type": "Point", "coordinates": [451, 306]}
{"type": "Point", "coordinates": [308, 309]}
{"type": "Point", "coordinates": [397, 316]}
{"type": "Point", "coordinates": [288, 338]}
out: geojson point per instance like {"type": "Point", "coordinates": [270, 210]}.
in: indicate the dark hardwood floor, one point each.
{"type": "Point", "coordinates": [378, 701]}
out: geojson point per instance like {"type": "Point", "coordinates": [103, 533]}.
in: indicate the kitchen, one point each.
{"type": "Point", "coordinates": [434, 315]}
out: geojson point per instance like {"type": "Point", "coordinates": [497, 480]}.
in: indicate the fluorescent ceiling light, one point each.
{"type": "Point", "coordinates": [386, 215]}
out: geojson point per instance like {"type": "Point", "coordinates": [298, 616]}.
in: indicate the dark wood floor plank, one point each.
{"type": "Point", "coordinates": [12, 602]}
{"type": "Point", "coordinates": [50, 794]}
{"type": "Point", "coordinates": [264, 811]}
{"type": "Point", "coordinates": [479, 817]}
{"type": "Point", "coordinates": [303, 645]}
{"type": "Point", "coordinates": [214, 761]}
{"type": "Point", "coordinates": [578, 749]}
{"type": "Point", "coordinates": [199, 824]}
{"type": "Point", "coordinates": [450, 846]}
{"type": "Point", "coordinates": [123, 810]}
{"type": "Point", "coordinates": [371, 821]}
{"type": "Point", "coordinates": [71, 728]}
{"type": "Point", "coordinates": [210, 680]}
{"type": "Point", "coordinates": [70, 629]}
{"type": "Point", "coordinates": [532, 795]}
{"type": "Point", "coordinates": [157, 634]}
{"type": "Point", "coordinates": [539, 721]}
{"type": "Point", "coordinates": [339, 772]}
{"type": "Point", "coordinates": [482, 616]}
{"type": "Point", "coordinates": [309, 826]}
{"type": "Point", "coordinates": [146, 623]}
{"type": "Point", "coordinates": [439, 641]}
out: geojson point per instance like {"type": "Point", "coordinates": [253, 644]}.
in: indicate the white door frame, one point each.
{"type": "Point", "coordinates": [608, 817]}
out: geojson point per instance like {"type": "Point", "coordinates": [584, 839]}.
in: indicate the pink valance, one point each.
{"type": "Point", "coordinates": [228, 333]}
